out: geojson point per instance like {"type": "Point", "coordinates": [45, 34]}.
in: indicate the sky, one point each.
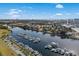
{"type": "Point", "coordinates": [39, 10]}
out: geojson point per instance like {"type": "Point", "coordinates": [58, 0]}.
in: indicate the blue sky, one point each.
{"type": "Point", "coordinates": [39, 10]}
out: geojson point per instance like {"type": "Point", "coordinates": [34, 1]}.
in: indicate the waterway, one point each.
{"type": "Point", "coordinates": [45, 39]}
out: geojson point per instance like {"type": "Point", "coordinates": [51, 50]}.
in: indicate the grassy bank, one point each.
{"type": "Point", "coordinates": [4, 49]}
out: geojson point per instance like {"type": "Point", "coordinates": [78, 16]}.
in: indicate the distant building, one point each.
{"type": "Point", "coordinates": [76, 33]}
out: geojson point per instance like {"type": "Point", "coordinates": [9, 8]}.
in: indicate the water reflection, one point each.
{"type": "Point", "coordinates": [46, 39]}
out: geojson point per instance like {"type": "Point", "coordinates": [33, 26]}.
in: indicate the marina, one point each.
{"type": "Point", "coordinates": [19, 47]}
{"type": "Point", "coordinates": [30, 38]}
{"type": "Point", "coordinates": [63, 52]}
{"type": "Point", "coordinates": [47, 44]}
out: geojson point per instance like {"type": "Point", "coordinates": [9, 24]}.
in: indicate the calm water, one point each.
{"type": "Point", "coordinates": [45, 39]}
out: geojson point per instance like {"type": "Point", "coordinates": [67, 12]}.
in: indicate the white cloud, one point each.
{"type": "Point", "coordinates": [15, 16]}
{"type": "Point", "coordinates": [59, 6]}
{"type": "Point", "coordinates": [12, 13]}
{"type": "Point", "coordinates": [59, 14]}
{"type": "Point", "coordinates": [18, 10]}
{"type": "Point", "coordinates": [13, 9]}
{"type": "Point", "coordinates": [15, 13]}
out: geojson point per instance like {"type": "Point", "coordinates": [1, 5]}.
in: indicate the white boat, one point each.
{"type": "Point", "coordinates": [54, 45]}
{"type": "Point", "coordinates": [26, 37]}
{"type": "Point", "coordinates": [26, 46]}
{"type": "Point", "coordinates": [66, 50]}
{"type": "Point", "coordinates": [21, 35]}
{"type": "Point", "coordinates": [72, 53]}
{"type": "Point", "coordinates": [36, 53]}
{"type": "Point", "coordinates": [31, 39]}
{"type": "Point", "coordinates": [66, 54]}
{"type": "Point", "coordinates": [21, 44]}
{"type": "Point", "coordinates": [62, 52]}
{"type": "Point", "coordinates": [58, 50]}
{"type": "Point", "coordinates": [36, 41]}
{"type": "Point", "coordinates": [69, 53]}
{"type": "Point", "coordinates": [48, 46]}
{"type": "Point", "coordinates": [53, 50]}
